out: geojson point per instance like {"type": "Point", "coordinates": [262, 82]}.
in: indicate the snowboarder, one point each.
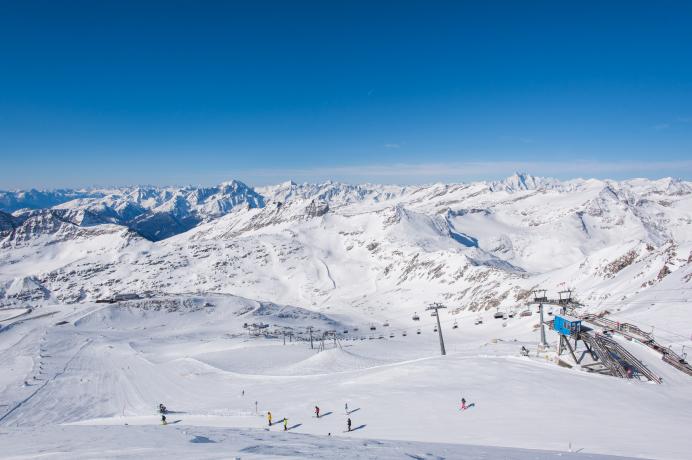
{"type": "Point", "coordinates": [285, 424]}
{"type": "Point", "coordinates": [524, 351]}
{"type": "Point", "coordinates": [463, 404]}
{"type": "Point", "coordinates": [163, 420]}
{"type": "Point", "coordinates": [317, 411]}
{"type": "Point", "coordinates": [348, 424]}
{"type": "Point", "coordinates": [269, 418]}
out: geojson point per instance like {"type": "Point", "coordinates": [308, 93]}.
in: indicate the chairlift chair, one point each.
{"type": "Point", "coordinates": [391, 336]}
{"type": "Point", "coordinates": [418, 332]}
{"type": "Point", "coordinates": [435, 330]}
{"type": "Point", "coordinates": [386, 324]}
{"type": "Point", "coordinates": [456, 325]}
{"type": "Point", "coordinates": [403, 334]}
{"type": "Point", "coordinates": [372, 327]}
{"type": "Point", "coordinates": [416, 317]}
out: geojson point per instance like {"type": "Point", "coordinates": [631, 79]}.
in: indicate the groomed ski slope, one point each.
{"type": "Point", "coordinates": [100, 377]}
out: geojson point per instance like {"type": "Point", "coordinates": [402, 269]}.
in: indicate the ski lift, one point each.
{"type": "Point", "coordinates": [345, 331]}
{"type": "Point", "coordinates": [418, 332]}
{"type": "Point", "coordinates": [391, 336]}
{"type": "Point", "coordinates": [498, 315]}
{"type": "Point", "coordinates": [435, 330]}
{"type": "Point", "coordinates": [403, 334]}
{"type": "Point", "coordinates": [456, 325]}
{"type": "Point", "coordinates": [372, 327]}
{"type": "Point", "coordinates": [434, 313]}
{"type": "Point", "coordinates": [512, 313]}
{"type": "Point", "coordinates": [381, 337]}
{"type": "Point", "coordinates": [478, 321]}
{"type": "Point", "coordinates": [415, 317]}
{"type": "Point", "coordinates": [371, 337]}
{"type": "Point", "coordinates": [386, 324]}
{"type": "Point", "coordinates": [355, 329]}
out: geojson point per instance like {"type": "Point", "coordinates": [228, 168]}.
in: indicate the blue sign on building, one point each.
{"type": "Point", "coordinates": [567, 326]}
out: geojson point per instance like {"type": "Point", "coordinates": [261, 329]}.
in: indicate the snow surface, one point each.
{"type": "Point", "coordinates": [80, 375]}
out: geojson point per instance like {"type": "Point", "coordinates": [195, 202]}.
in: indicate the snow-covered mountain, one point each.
{"type": "Point", "coordinates": [218, 302]}
{"type": "Point", "coordinates": [155, 213]}
{"type": "Point", "coordinates": [371, 248]}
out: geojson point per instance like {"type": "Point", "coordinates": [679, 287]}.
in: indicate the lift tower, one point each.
{"type": "Point", "coordinates": [435, 307]}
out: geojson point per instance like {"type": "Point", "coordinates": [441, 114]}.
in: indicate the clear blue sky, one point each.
{"type": "Point", "coordinates": [176, 92]}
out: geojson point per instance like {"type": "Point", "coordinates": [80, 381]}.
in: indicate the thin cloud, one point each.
{"type": "Point", "coordinates": [661, 126]}
{"type": "Point", "coordinates": [392, 146]}
{"type": "Point", "coordinates": [406, 173]}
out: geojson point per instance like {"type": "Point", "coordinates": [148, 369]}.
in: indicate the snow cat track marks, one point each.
{"type": "Point", "coordinates": [42, 386]}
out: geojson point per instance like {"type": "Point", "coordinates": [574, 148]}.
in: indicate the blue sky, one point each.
{"type": "Point", "coordinates": [177, 92]}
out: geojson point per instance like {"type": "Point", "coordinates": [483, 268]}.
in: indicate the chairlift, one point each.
{"type": "Point", "coordinates": [355, 329]}
{"type": "Point", "coordinates": [512, 313]}
{"type": "Point", "coordinates": [434, 313]}
{"type": "Point", "coordinates": [478, 321]}
{"type": "Point", "coordinates": [391, 336]}
{"type": "Point", "coordinates": [415, 317]}
{"type": "Point", "coordinates": [381, 337]}
{"type": "Point", "coordinates": [456, 326]}
{"type": "Point", "coordinates": [372, 327]}
{"type": "Point", "coordinates": [403, 334]}
{"type": "Point", "coordinates": [345, 331]}
{"type": "Point", "coordinates": [371, 337]}
{"type": "Point", "coordinates": [418, 332]}
{"type": "Point", "coordinates": [435, 330]}
{"type": "Point", "coordinates": [386, 324]}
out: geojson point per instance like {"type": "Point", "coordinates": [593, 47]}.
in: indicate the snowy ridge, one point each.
{"type": "Point", "coordinates": [475, 246]}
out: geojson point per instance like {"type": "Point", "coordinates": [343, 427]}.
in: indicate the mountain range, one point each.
{"type": "Point", "coordinates": [371, 249]}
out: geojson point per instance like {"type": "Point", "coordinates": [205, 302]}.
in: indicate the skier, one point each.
{"type": "Point", "coordinates": [463, 404]}
{"type": "Point", "coordinates": [346, 408]}
{"type": "Point", "coordinates": [524, 351]}
{"type": "Point", "coordinates": [348, 424]}
{"type": "Point", "coordinates": [317, 411]}
{"type": "Point", "coordinates": [269, 418]}
{"type": "Point", "coordinates": [285, 424]}
{"type": "Point", "coordinates": [163, 420]}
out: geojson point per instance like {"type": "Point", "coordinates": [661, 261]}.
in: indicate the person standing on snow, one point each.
{"type": "Point", "coordinates": [285, 424]}
{"type": "Point", "coordinates": [348, 424]}
{"type": "Point", "coordinates": [346, 408]}
{"type": "Point", "coordinates": [163, 420]}
{"type": "Point", "coordinates": [317, 411]}
{"type": "Point", "coordinates": [463, 404]}
{"type": "Point", "coordinates": [269, 418]}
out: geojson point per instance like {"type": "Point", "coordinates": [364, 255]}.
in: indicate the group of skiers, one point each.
{"type": "Point", "coordinates": [163, 411]}
{"type": "Point", "coordinates": [317, 415]}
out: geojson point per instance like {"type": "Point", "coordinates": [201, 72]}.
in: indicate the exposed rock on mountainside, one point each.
{"type": "Point", "coordinates": [368, 247]}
